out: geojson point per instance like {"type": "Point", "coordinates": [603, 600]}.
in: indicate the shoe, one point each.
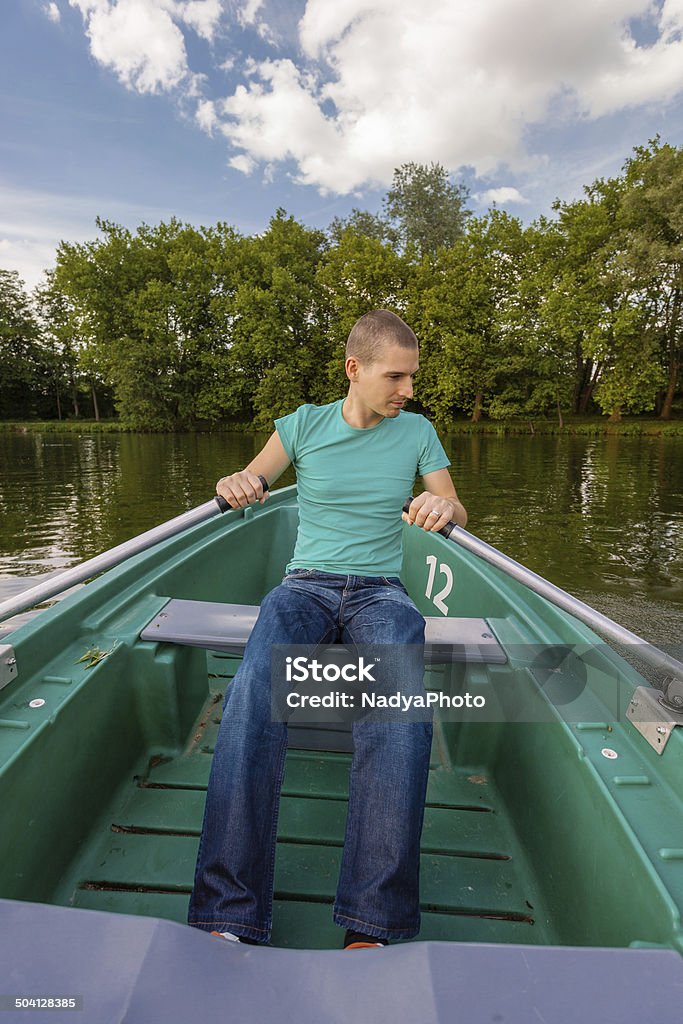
{"type": "Point", "coordinates": [357, 940]}
{"type": "Point", "coordinates": [236, 938]}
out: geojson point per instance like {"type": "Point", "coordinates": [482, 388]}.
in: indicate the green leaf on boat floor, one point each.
{"type": "Point", "coordinates": [93, 656]}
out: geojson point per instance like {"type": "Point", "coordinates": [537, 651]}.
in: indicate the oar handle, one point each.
{"type": "Point", "coordinates": [445, 531]}
{"type": "Point", "coordinates": [224, 506]}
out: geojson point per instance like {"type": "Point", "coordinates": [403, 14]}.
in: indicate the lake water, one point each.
{"type": "Point", "coordinates": [600, 517]}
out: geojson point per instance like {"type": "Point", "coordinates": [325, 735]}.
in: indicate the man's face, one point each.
{"type": "Point", "coordinates": [386, 385]}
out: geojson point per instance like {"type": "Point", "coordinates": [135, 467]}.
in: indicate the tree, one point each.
{"type": "Point", "coordinates": [469, 353]}
{"type": "Point", "coordinates": [651, 222]}
{"type": "Point", "coordinates": [426, 209]}
{"type": "Point", "coordinates": [359, 273]}
{"type": "Point", "coordinates": [24, 368]}
{"type": "Point", "coordinates": [365, 224]}
{"type": "Point", "coordinates": [277, 342]}
{"type": "Point", "coordinates": [594, 305]}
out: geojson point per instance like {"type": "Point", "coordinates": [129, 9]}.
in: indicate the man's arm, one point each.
{"type": "Point", "coordinates": [440, 499]}
{"type": "Point", "coordinates": [244, 488]}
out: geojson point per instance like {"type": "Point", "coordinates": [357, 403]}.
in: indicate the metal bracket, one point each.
{"type": "Point", "coordinates": [8, 665]}
{"type": "Point", "coordinates": [654, 721]}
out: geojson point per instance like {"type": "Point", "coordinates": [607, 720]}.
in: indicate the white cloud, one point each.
{"type": "Point", "coordinates": [138, 40]}
{"type": "Point", "coordinates": [381, 83]}
{"type": "Point", "coordinates": [504, 194]}
{"type": "Point", "coordinates": [53, 12]}
{"type": "Point", "coordinates": [206, 116]}
{"type": "Point", "coordinates": [242, 163]}
{"type": "Point", "coordinates": [377, 83]}
{"type": "Point", "coordinates": [246, 15]}
{"type": "Point", "coordinates": [201, 15]}
{"type": "Point", "coordinates": [141, 41]}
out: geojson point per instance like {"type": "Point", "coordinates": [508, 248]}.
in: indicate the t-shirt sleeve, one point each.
{"type": "Point", "coordinates": [432, 455]}
{"type": "Point", "coordinates": [288, 428]}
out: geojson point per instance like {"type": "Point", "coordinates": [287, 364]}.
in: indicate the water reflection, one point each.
{"type": "Point", "coordinates": [602, 518]}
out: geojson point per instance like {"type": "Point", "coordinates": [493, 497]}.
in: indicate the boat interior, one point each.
{"type": "Point", "coordinates": [532, 834]}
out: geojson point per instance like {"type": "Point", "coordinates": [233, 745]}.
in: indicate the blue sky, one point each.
{"type": "Point", "coordinates": [138, 110]}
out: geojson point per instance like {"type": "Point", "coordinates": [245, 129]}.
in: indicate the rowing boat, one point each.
{"type": "Point", "coordinates": [552, 849]}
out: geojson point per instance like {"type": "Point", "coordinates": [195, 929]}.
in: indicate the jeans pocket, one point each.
{"type": "Point", "coordinates": [393, 581]}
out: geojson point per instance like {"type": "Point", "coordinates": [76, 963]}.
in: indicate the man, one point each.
{"type": "Point", "coordinates": [356, 460]}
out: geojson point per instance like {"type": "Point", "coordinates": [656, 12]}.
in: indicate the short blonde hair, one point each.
{"type": "Point", "coordinates": [373, 331]}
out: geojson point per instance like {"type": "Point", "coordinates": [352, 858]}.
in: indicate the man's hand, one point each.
{"type": "Point", "coordinates": [432, 512]}
{"type": "Point", "coordinates": [244, 488]}
{"type": "Point", "coordinates": [241, 489]}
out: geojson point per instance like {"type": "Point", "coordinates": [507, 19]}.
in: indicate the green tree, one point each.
{"type": "Point", "coordinates": [599, 300]}
{"type": "Point", "coordinates": [363, 223]}
{"type": "Point", "coordinates": [24, 368]}
{"type": "Point", "coordinates": [359, 273]}
{"type": "Point", "coordinates": [146, 310]}
{"type": "Point", "coordinates": [651, 224]}
{"type": "Point", "coordinates": [425, 208]}
{"type": "Point", "coordinates": [469, 348]}
{"type": "Point", "coordinates": [278, 342]}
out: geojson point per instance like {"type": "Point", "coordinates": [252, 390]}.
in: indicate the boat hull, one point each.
{"type": "Point", "coordinates": [532, 836]}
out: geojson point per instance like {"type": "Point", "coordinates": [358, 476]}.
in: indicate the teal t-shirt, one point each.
{"type": "Point", "coordinates": [352, 484]}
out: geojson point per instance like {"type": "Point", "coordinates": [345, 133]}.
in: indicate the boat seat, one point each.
{"type": "Point", "coordinates": [226, 628]}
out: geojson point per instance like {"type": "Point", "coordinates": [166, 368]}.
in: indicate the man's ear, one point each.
{"type": "Point", "coordinates": [351, 366]}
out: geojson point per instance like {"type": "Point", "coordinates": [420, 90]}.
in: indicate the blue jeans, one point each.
{"type": "Point", "coordinates": [378, 887]}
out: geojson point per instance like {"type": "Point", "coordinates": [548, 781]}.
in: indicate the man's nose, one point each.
{"type": "Point", "coordinates": [407, 389]}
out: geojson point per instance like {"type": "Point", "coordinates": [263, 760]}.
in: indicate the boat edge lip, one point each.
{"type": "Point", "coordinates": [566, 602]}
{"type": "Point", "coordinates": [568, 982]}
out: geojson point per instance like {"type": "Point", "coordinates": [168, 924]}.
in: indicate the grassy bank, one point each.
{"type": "Point", "coordinates": [587, 426]}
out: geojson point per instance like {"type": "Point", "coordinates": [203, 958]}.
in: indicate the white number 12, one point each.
{"type": "Point", "coordinates": [445, 591]}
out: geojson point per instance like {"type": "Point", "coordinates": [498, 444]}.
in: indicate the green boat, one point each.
{"type": "Point", "coordinates": [552, 849]}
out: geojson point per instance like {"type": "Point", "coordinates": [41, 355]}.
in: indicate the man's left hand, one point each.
{"type": "Point", "coordinates": [430, 511]}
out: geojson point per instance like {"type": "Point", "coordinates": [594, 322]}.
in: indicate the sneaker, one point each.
{"type": "Point", "coordinates": [357, 940]}
{"type": "Point", "coordinates": [236, 938]}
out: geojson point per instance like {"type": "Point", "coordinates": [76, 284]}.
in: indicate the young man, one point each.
{"type": "Point", "coordinates": [356, 460]}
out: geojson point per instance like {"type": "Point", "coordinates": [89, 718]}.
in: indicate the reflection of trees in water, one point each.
{"type": "Point", "coordinates": [586, 512]}
{"type": "Point", "coordinates": [596, 515]}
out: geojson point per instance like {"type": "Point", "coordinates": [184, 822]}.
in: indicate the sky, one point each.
{"type": "Point", "coordinates": [225, 110]}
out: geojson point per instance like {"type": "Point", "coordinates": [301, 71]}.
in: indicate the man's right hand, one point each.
{"type": "Point", "coordinates": [241, 489]}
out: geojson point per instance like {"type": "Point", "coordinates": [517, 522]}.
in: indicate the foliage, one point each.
{"type": "Point", "coordinates": [25, 367]}
{"type": "Point", "coordinates": [426, 210]}
{"type": "Point", "coordinates": [179, 327]}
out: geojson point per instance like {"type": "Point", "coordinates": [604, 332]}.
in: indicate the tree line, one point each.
{"type": "Point", "coordinates": [173, 326]}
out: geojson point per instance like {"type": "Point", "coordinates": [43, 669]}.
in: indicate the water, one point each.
{"type": "Point", "coordinates": [600, 517]}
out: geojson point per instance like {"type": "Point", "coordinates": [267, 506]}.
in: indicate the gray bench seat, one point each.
{"type": "Point", "coordinates": [226, 628]}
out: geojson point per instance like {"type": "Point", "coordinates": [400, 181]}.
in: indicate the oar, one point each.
{"type": "Point", "coordinates": [114, 556]}
{"type": "Point", "coordinates": [567, 602]}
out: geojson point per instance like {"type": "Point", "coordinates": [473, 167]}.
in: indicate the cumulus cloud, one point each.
{"type": "Point", "coordinates": [201, 15]}
{"type": "Point", "coordinates": [372, 84]}
{"type": "Point", "coordinates": [142, 42]}
{"type": "Point", "coordinates": [246, 14]}
{"type": "Point", "coordinates": [381, 83]}
{"type": "Point", "coordinates": [502, 195]}
{"type": "Point", "coordinates": [242, 163]}
{"type": "Point", "coordinates": [52, 11]}
{"type": "Point", "coordinates": [206, 116]}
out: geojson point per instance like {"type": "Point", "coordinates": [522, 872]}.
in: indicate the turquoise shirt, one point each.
{"type": "Point", "coordinates": [352, 484]}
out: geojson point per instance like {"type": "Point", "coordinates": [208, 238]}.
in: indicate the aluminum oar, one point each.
{"type": "Point", "coordinates": [114, 556]}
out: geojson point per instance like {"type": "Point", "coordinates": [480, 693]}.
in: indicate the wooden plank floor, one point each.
{"type": "Point", "coordinates": [475, 881]}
